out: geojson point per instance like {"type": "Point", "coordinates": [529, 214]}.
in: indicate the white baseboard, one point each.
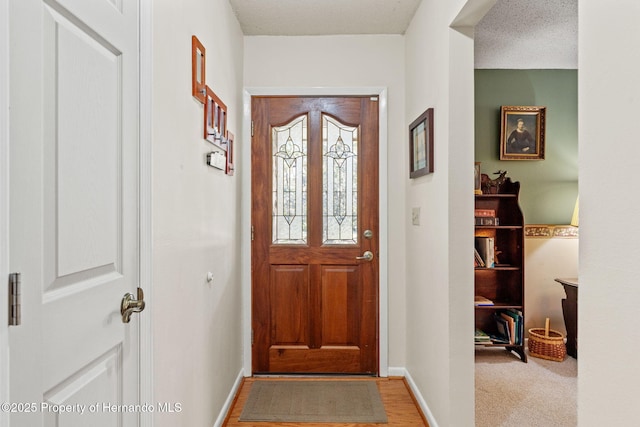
{"type": "Point", "coordinates": [230, 398]}
{"type": "Point", "coordinates": [402, 372]}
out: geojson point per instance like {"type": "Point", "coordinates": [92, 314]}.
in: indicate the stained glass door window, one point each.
{"type": "Point", "coordinates": [289, 213]}
{"type": "Point", "coordinates": [339, 182]}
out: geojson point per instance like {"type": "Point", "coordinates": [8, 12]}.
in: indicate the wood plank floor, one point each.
{"type": "Point", "coordinates": [398, 400]}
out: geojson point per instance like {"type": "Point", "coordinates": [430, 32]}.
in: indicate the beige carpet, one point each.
{"type": "Point", "coordinates": [511, 393]}
{"type": "Point", "coordinates": [314, 401]}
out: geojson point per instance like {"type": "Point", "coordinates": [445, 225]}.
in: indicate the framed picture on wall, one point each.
{"type": "Point", "coordinates": [215, 119]}
{"type": "Point", "coordinates": [522, 132]}
{"type": "Point", "coordinates": [198, 86]}
{"type": "Point", "coordinates": [421, 145]}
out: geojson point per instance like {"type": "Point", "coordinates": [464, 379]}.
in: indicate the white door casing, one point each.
{"type": "Point", "coordinates": [4, 202]}
{"type": "Point", "coordinates": [73, 210]}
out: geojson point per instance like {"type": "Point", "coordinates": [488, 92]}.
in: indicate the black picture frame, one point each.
{"type": "Point", "coordinates": [421, 145]}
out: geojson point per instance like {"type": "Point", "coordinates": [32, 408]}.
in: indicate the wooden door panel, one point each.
{"type": "Point", "coordinates": [290, 305]}
{"type": "Point", "coordinates": [341, 305]}
{"type": "Point", "coordinates": [324, 360]}
{"type": "Point", "coordinates": [315, 305]}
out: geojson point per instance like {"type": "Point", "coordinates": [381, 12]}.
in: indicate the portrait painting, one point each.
{"type": "Point", "coordinates": [522, 132]}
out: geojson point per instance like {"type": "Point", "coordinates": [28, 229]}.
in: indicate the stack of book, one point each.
{"type": "Point", "coordinates": [486, 217]}
{"type": "Point", "coordinates": [482, 337]}
{"type": "Point", "coordinates": [510, 326]}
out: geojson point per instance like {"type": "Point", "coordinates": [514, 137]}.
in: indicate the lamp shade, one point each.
{"type": "Point", "coordinates": [574, 218]}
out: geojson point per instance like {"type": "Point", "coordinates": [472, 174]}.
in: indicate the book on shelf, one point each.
{"type": "Point", "coordinates": [514, 317]}
{"type": "Point", "coordinates": [479, 262]}
{"type": "Point", "coordinates": [499, 339]}
{"type": "Point", "coordinates": [487, 220]}
{"type": "Point", "coordinates": [479, 300]}
{"type": "Point", "coordinates": [504, 331]}
{"type": "Point", "coordinates": [511, 327]}
{"type": "Point", "coordinates": [485, 212]}
{"type": "Point", "coordinates": [482, 337]}
{"type": "Point", "coordinates": [486, 248]}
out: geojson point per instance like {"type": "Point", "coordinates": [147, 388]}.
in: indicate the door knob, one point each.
{"type": "Point", "coordinates": [367, 256]}
{"type": "Point", "coordinates": [130, 305]}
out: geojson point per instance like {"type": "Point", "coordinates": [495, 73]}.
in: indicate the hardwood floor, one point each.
{"type": "Point", "coordinates": [398, 400]}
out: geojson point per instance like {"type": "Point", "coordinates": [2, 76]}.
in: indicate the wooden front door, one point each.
{"type": "Point", "coordinates": [315, 235]}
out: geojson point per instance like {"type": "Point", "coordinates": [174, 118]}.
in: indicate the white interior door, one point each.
{"type": "Point", "coordinates": [73, 218]}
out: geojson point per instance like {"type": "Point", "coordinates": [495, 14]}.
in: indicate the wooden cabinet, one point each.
{"type": "Point", "coordinates": [503, 281]}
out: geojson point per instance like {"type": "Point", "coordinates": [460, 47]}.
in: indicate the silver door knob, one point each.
{"type": "Point", "coordinates": [130, 305]}
{"type": "Point", "coordinates": [367, 256]}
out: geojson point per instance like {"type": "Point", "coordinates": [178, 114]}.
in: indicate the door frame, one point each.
{"type": "Point", "coordinates": [145, 353]}
{"type": "Point", "coordinates": [145, 214]}
{"type": "Point", "coordinates": [4, 206]}
{"type": "Point", "coordinates": [245, 209]}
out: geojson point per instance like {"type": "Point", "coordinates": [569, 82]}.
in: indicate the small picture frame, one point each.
{"type": "Point", "coordinates": [198, 86]}
{"type": "Point", "coordinates": [477, 179]}
{"type": "Point", "coordinates": [230, 166]}
{"type": "Point", "coordinates": [215, 119]}
{"type": "Point", "coordinates": [421, 145]}
{"type": "Point", "coordinates": [522, 132]}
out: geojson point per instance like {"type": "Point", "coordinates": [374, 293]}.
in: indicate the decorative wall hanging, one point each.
{"type": "Point", "coordinates": [215, 120]}
{"type": "Point", "coordinates": [421, 145]}
{"type": "Point", "coordinates": [198, 89]}
{"type": "Point", "coordinates": [522, 131]}
{"type": "Point", "coordinates": [215, 112]}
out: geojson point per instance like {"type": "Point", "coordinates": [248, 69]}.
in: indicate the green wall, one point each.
{"type": "Point", "coordinates": [549, 187]}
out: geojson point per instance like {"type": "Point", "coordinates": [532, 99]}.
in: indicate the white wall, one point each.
{"type": "Point", "coordinates": [196, 325]}
{"type": "Point", "coordinates": [349, 61]}
{"type": "Point", "coordinates": [608, 95]}
{"type": "Point", "coordinates": [547, 258]}
{"type": "Point", "coordinates": [439, 70]}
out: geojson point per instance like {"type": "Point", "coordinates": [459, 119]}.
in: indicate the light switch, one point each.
{"type": "Point", "coordinates": [415, 216]}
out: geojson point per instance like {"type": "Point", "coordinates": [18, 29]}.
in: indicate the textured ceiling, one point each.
{"type": "Point", "coordinates": [525, 34]}
{"type": "Point", "coordinates": [528, 34]}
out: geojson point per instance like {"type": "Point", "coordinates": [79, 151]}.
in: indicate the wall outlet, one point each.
{"type": "Point", "coordinates": [415, 216]}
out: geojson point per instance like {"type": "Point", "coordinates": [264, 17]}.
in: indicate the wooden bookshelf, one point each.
{"type": "Point", "coordinates": [503, 281]}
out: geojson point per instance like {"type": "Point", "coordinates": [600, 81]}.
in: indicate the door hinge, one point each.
{"type": "Point", "coordinates": [14, 299]}
{"type": "Point", "coordinates": [252, 233]}
{"type": "Point", "coordinates": [251, 127]}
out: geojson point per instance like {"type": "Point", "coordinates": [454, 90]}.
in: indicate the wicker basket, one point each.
{"type": "Point", "coordinates": [547, 343]}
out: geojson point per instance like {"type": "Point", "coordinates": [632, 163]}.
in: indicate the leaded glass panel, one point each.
{"type": "Point", "coordinates": [340, 182]}
{"type": "Point", "coordinates": [289, 213]}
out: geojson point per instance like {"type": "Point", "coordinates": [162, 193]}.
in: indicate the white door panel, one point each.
{"type": "Point", "coordinates": [85, 393]}
{"type": "Point", "coordinates": [74, 209]}
{"type": "Point", "coordinates": [85, 143]}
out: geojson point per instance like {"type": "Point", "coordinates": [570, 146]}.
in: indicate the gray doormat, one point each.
{"type": "Point", "coordinates": [314, 401]}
